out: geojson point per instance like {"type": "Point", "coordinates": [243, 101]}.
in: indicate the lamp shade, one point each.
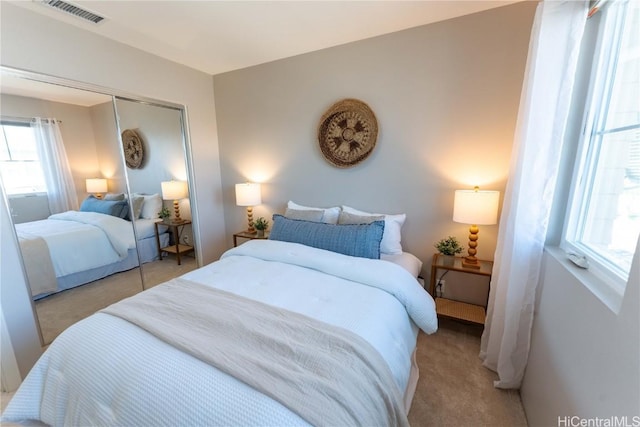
{"type": "Point", "coordinates": [96, 185]}
{"type": "Point", "coordinates": [248, 194]}
{"type": "Point", "coordinates": [174, 190]}
{"type": "Point", "coordinates": [476, 207]}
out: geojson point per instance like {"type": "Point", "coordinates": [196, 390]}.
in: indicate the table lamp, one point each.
{"type": "Point", "coordinates": [475, 207]}
{"type": "Point", "coordinates": [96, 186]}
{"type": "Point", "coordinates": [248, 194]}
{"type": "Point", "coordinates": [174, 190]}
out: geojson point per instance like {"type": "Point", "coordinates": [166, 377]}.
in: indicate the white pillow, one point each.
{"type": "Point", "coordinates": [390, 243]}
{"type": "Point", "coordinates": [329, 216]}
{"type": "Point", "coordinates": [152, 205]}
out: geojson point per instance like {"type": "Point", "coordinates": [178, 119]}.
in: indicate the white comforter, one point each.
{"type": "Point", "coordinates": [105, 370]}
{"type": "Point", "coordinates": [80, 241]}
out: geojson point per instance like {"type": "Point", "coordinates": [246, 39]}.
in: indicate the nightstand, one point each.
{"type": "Point", "coordinates": [248, 236]}
{"type": "Point", "coordinates": [455, 309]}
{"type": "Point", "coordinates": [177, 248]}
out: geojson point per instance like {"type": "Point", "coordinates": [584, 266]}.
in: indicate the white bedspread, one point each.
{"type": "Point", "coordinates": [104, 370]}
{"type": "Point", "coordinates": [79, 241]}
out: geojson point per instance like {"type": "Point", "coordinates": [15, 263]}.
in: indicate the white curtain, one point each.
{"type": "Point", "coordinates": [61, 190]}
{"type": "Point", "coordinates": [544, 106]}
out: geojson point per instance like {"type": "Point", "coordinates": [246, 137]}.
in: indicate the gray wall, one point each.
{"type": "Point", "coordinates": [446, 98]}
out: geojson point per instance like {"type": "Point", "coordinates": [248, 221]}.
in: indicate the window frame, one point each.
{"type": "Point", "coordinates": [22, 123]}
{"type": "Point", "coordinates": [600, 90]}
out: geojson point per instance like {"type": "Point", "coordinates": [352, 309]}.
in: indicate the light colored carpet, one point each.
{"type": "Point", "coordinates": [59, 311]}
{"type": "Point", "coordinates": [454, 388]}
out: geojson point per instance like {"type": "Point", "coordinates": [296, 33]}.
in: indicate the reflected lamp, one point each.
{"type": "Point", "coordinates": [174, 190]}
{"type": "Point", "coordinates": [97, 186]}
{"type": "Point", "coordinates": [475, 207]}
{"type": "Point", "coordinates": [248, 194]}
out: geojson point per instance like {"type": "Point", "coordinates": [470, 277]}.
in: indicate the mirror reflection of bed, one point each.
{"type": "Point", "coordinates": [82, 246]}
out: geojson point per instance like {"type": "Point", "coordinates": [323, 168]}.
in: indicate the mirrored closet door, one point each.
{"type": "Point", "coordinates": [84, 216]}
{"type": "Point", "coordinates": [154, 147]}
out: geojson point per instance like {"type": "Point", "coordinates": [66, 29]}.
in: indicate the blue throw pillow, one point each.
{"type": "Point", "coordinates": [118, 208]}
{"type": "Point", "coordinates": [361, 240]}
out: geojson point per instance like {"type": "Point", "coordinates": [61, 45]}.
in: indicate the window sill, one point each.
{"type": "Point", "coordinates": [598, 287]}
{"type": "Point", "coordinates": [23, 195]}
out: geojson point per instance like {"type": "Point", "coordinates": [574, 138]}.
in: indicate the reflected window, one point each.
{"type": "Point", "coordinates": [20, 166]}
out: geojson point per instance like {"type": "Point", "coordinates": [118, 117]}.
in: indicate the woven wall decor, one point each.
{"type": "Point", "coordinates": [347, 133]}
{"type": "Point", "coordinates": [133, 149]}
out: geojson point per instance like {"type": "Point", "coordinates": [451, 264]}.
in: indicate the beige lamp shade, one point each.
{"type": "Point", "coordinates": [96, 185]}
{"type": "Point", "coordinates": [248, 194]}
{"type": "Point", "coordinates": [174, 190]}
{"type": "Point", "coordinates": [476, 207]}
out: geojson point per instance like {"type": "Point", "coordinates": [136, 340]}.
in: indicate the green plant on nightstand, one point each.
{"type": "Point", "coordinates": [449, 246]}
{"type": "Point", "coordinates": [261, 225]}
{"type": "Point", "coordinates": [164, 214]}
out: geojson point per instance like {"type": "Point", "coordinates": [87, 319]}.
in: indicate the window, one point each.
{"type": "Point", "coordinates": [603, 220]}
{"type": "Point", "coordinates": [19, 163]}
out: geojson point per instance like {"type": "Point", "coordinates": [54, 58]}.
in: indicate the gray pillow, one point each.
{"type": "Point", "coordinates": [136, 206]}
{"type": "Point", "coordinates": [114, 197]}
{"type": "Point", "coordinates": [349, 218]}
{"type": "Point", "coordinates": [306, 215]}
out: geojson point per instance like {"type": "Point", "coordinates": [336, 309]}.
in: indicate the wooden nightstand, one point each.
{"type": "Point", "coordinates": [455, 309]}
{"type": "Point", "coordinates": [177, 248]}
{"type": "Point", "coordinates": [248, 236]}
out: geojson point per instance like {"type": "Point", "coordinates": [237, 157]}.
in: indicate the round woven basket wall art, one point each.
{"type": "Point", "coordinates": [347, 133]}
{"type": "Point", "coordinates": [133, 149]}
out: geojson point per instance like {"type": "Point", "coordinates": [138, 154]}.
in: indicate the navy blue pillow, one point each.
{"type": "Point", "coordinates": [361, 240]}
{"type": "Point", "coordinates": [119, 208]}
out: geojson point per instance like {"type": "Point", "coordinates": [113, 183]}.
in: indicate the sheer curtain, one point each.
{"type": "Point", "coordinates": [544, 106]}
{"type": "Point", "coordinates": [57, 174]}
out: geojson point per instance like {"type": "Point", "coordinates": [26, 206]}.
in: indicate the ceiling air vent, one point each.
{"type": "Point", "coordinates": [74, 10]}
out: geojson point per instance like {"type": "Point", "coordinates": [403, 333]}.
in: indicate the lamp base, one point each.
{"type": "Point", "coordinates": [176, 211]}
{"type": "Point", "coordinates": [250, 230]}
{"type": "Point", "coordinates": [470, 263]}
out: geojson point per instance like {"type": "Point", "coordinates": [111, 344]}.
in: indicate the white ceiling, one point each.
{"type": "Point", "coordinates": [12, 85]}
{"type": "Point", "coordinates": [220, 36]}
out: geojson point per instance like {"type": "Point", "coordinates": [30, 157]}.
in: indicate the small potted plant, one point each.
{"type": "Point", "coordinates": [449, 247]}
{"type": "Point", "coordinates": [164, 214]}
{"type": "Point", "coordinates": [260, 225]}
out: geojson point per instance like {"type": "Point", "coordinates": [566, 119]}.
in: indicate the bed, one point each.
{"type": "Point", "coordinates": [77, 247]}
{"type": "Point", "coordinates": [276, 332]}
